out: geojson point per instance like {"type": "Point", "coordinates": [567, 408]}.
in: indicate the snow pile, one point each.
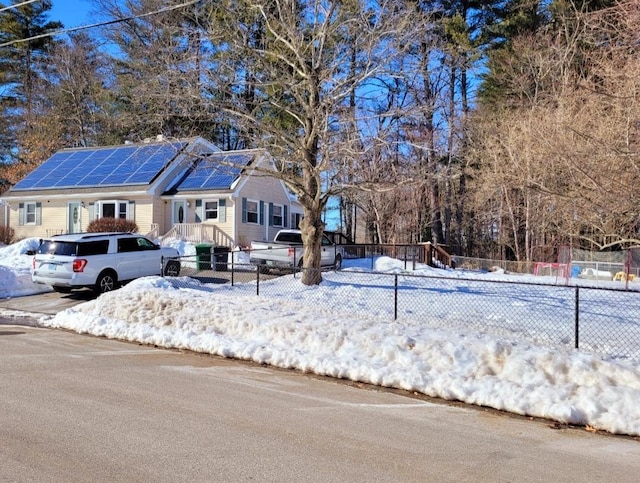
{"type": "Point", "coordinates": [472, 367]}
{"type": "Point", "coordinates": [15, 266]}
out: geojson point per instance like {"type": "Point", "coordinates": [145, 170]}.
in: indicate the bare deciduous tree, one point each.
{"type": "Point", "coordinates": [561, 163]}
{"type": "Point", "coordinates": [287, 73]}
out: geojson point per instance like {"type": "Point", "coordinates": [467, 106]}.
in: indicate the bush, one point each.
{"type": "Point", "coordinates": [112, 224]}
{"type": "Point", "coordinates": [6, 235]}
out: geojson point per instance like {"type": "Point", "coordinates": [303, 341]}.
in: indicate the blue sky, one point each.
{"type": "Point", "coordinates": [72, 13]}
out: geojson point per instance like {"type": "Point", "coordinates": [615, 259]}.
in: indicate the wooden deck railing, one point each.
{"type": "Point", "coordinates": [437, 256]}
{"type": "Point", "coordinates": [432, 255]}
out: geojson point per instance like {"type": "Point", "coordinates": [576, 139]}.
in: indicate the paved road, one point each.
{"type": "Point", "coordinates": [80, 408]}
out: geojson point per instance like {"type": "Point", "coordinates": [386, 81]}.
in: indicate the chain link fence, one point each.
{"type": "Point", "coordinates": [599, 320]}
{"type": "Point", "coordinates": [487, 264]}
{"type": "Point", "coordinates": [572, 263]}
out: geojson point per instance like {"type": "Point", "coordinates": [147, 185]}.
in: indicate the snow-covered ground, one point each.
{"type": "Point", "coordinates": [345, 328]}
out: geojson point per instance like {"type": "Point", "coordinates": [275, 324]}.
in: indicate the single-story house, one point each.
{"type": "Point", "coordinates": [186, 189]}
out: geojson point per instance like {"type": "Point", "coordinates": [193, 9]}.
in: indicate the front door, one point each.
{"type": "Point", "coordinates": [73, 225]}
{"type": "Point", "coordinates": [179, 212]}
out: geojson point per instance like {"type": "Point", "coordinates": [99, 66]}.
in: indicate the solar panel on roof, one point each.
{"type": "Point", "coordinates": [217, 171]}
{"type": "Point", "coordinates": [93, 167]}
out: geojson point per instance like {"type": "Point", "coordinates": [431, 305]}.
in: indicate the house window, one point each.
{"type": "Point", "coordinates": [30, 213]}
{"type": "Point", "coordinates": [113, 209]}
{"type": "Point", "coordinates": [210, 210]}
{"type": "Point", "coordinates": [252, 211]}
{"type": "Point", "coordinates": [277, 216]}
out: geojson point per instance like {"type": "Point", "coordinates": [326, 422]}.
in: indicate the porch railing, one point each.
{"type": "Point", "coordinates": [154, 232]}
{"type": "Point", "coordinates": [198, 233]}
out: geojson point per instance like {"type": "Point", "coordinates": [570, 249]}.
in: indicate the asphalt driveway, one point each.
{"type": "Point", "coordinates": [49, 303]}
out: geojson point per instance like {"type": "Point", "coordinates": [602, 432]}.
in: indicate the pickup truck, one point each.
{"type": "Point", "coordinates": [286, 251]}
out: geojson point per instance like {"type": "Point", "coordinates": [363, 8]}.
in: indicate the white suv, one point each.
{"type": "Point", "coordinates": [100, 261]}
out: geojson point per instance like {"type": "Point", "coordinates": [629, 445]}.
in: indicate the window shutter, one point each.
{"type": "Point", "coordinates": [262, 212]}
{"type": "Point", "coordinates": [132, 210]}
{"type": "Point", "coordinates": [222, 211]}
{"type": "Point", "coordinates": [38, 213]}
{"type": "Point", "coordinates": [244, 210]}
{"type": "Point", "coordinates": [270, 214]}
{"type": "Point", "coordinates": [199, 211]}
{"type": "Point", "coordinates": [285, 216]}
{"type": "Point", "coordinates": [21, 214]}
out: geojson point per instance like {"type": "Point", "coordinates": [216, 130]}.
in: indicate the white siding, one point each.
{"type": "Point", "coordinates": [54, 216]}
{"type": "Point", "coordinates": [265, 189]}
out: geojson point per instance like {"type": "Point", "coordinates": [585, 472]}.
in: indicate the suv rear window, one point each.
{"type": "Point", "coordinates": [53, 247]}
{"type": "Point", "coordinates": [100, 247]}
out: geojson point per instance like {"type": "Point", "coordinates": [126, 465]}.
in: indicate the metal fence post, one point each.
{"type": "Point", "coordinates": [395, 297]}
{"type": "Point", "coordinates": [233, 271]}
{"type": "Point", "coordinates": [162, 266]}
{"type": "Point", "coordinates": [577, 317]}
{"type": "Point", "coordinates": [413, 256]}
{"type": "Point", "coordinates": [405, 257]}
{"type": "Point", "coordinates": [258, 281]}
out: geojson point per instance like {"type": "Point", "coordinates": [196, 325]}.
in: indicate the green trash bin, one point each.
{"type": "Point", "coordinates": [203, 256]}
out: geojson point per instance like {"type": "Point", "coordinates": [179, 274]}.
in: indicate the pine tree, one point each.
{"type": "Point", "coordinates": [21, 67]}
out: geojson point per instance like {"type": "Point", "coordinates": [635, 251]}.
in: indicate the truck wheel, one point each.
{"type": "Point", "coordinates": [106, 282]}
{"type": "Point", "coordinates": [263, 269]}
{"type": "Point", "coordinates": [172, 269]}
{"type": "Point", "coordinates": [338, 264]}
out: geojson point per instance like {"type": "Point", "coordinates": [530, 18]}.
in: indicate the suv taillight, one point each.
{"type": "Point", "coordinates": [79, 264]}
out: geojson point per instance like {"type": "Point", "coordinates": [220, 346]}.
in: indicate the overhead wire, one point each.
{"type": "Point", "coordinates": [18, 5]}
{"type": "Point", "coordinates": [100, 24]}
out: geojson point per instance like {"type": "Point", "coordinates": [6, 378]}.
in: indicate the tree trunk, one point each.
{"type": "Point", "coordinates": [312, 228]}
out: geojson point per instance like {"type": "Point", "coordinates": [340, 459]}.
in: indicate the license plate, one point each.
{"type": "Point", "coordinates": [52, 267]}
{"type": "Point", "coordinates": [269, 262]}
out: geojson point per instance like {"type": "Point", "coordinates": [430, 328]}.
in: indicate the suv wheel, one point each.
{"type": "Point", "coordinates": [106, 282]}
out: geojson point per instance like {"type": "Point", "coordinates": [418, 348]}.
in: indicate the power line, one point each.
{"type": "Point", "coordinates": [101, 24]}
{"type": "Point", "coordinates": [18, 5]}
